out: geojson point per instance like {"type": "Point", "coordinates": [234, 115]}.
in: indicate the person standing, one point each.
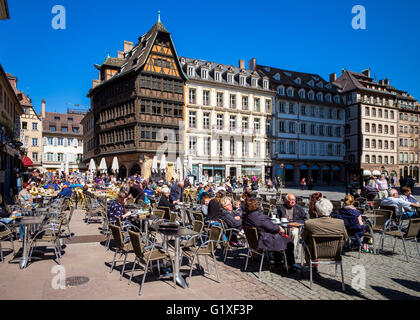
{"type": "Point", "coordinates": [382, 185]}
{"type": "Point", "coordinates": [303, 183]}
{"type": "Point", "coordinates": [310, 183]}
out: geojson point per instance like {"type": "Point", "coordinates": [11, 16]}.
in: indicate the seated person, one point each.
{"type": "Point", "coordinates": [352, 220]}
{"type": "Point", "coordinates": [405, 209]}
{"type": "Point", "coordinates": [315, 197]}
{"type": "Point", "coordinates": [25, 197]}
{"type": "Point", "coordinates": [214, 208]}
{"type": "Point", "coordinates": [117, 209]}
{"type": "Point", "coordinates": [136, 192]}
{"type": "Point", "coordinates": [51, 185]}
{"type": "Point", "coordinates": [86, 192]}
{"type": "Point", "coordinates": [230, 217]}
{"type": "Point", "coordinates": [292, 212]}
{"type": "Point", "coordinates": [203, 192]}
{"type": "Point", "coordinates": [149, 191]}
{"type": "Point", "coordinates": [165, 201]}
{"type": "Point", "coordinates": [65, 192]}
{"type": "Point", "coordinates": [406, 195]}
{"type": "Point", "coordinates": [370, 191]}
{"type": "Point", "coordinates": [323, 225]}
{"type": "Point", "coordinates": [270, 237]}
{"type": "Point", "coordinates": [177, 192]}
{"type": "Point", "coordinates": [206, 201]}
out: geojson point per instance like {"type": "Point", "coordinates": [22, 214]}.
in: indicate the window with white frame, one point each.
{"type": "Point", "coordinates": [280, 90]}
{"type": "Point", "coordinates": [265, 84]}
{"type": "Point", "coordinates": [282, 126]}
{"type": "Point", "coordinates": [257, 149]}
{"type": "Point", "coordinates": [190, 71]}
{"type": "Point", "coordinates": [230, 78]}
{"type": "Point", "coordinates": [207, 144]}
{"type": "Point", "coordinates": [292, 127]}
{"type": "Point", "coordinates": [204, 73]}
{"type": "Point", "coordinates": [220, 99]}
{"type": "Point", "coordinates": [282, 147]}
{"type": "Point", "coordinates": [254, 82]}
{"type": "Point", "coordinates": [310, 95]}
{"type": "Point", "coordinates": [313, 129]}
{"type": "Point", "coordinates": [292, 147]}
{"type": "Point", "coordinates": [192, 146]}
{"type": "Point", "coordinates": [220, 146]}
{"type": "Point", "coordinates": [192, 96]}
{"type": "Point", "coordinates": [320, 96]}
{"type": "Point", "coordinates": [257, 125]}
{"type": "Point", "coordinates": [313, 111]}
{"type": "Point", "coordinates": [290, 92]}
{"type": "Point", "coordinates": [244, 103]}
{"type": "Point", "coordinates": [217, 76]}
{"type": "Point", "coordinates": [232, 122]}
{"type": "Point", "coordinates": [291, 108]}
{"type": "Point", "coordinates": [244, 147]}
{"type": "Point", "coordinates": [245, 122]}
{"type": "Point", "coordinates": [281, 107]}
{"type": "Point", "coordinates": [302, 93]}
{"type": "Point", "coordinates": [192, 119]}
{"type": "Point", "coordinates": [206, 97]}
{"type": "Point", "coordinates": [321, 112]}
{"type": "Point", "coordinates": [257, 104]}
{"type": "Point", "coordinates": [303, 128]}
{"type": "Point", "coordinates": [233, 101]}
{"type": "Point", "coordinates": [303, 110]}
{"type": "Point", "coordinates": [268, 105]}
{"type": "Point", "coordinates": [242, 80]}
{"type": "Point", "coordinates": [232, 146]}
{"type": "Point", "coordinates": [219, 121]}
{"type": "Point", "coordinates": [206, 120]}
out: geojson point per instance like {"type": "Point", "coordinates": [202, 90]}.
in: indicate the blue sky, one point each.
{"type": "Point", "coordinates": [307, 36]}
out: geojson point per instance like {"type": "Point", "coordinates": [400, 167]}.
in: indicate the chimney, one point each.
{"type": "Point", "coordinates": [127, 46]}
{"type": "Point", "coordinates": [252, 64]}
{"type": "Point", "coordinates": [386, 82]}
{"type": "Point", "coordinates": [333, 77]}
{"type": "Point", "coordinates": [120, 54]}
{"type": "Point", "coordinates": [343, 70]}
{"type": "Point", "coordinates": [366, 72]}
{"type": "Point", "coordinates": [43, 108]}
{"type": "Point", "coordinates": [241, 64]}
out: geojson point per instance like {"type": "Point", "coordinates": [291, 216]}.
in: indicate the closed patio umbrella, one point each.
{"type": "Point", "coordinates": [62, 167]}
{"type": "Point", "coordinates": [163, 163]}
{"type": "Point", "coordinates": [367, 173]}
{"type": "Point", "coordinates": [66, 170]}
{"type": "Point", "coordinates": [92, 166]}
{"type": "Point", "coordinates": [102, 165]}
{"type": "Point", "coordinates": [154, 164]}
{"type": "Point", "coordinates": [115, 167]}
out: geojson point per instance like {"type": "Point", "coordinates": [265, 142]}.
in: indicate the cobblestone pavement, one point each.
{"type": "Point", "coordinates": [388, 276]}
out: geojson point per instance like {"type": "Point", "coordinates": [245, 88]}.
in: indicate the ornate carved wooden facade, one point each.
{"type": "Point", "coordinates": [140, 107]}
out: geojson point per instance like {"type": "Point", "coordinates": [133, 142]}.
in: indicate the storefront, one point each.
{"type": "Point", "coordinates": [217, 173]}
{"type": "Point", "coordinates": [315, 173]}
{"type": "Point", "coordinates": [326, 175]}
{"type": "Point", "coordinates": [289, 172]}
{"type": "Point", "coordinates": [303, 169]}
{"type": "Point", "coordinates": [251, 172]}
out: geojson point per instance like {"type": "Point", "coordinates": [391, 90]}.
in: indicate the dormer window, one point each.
{"type": "Point", "coordinates": [204, 73]}
{"type": "Point", "coordinates": [254, 82]}
{"type": "Point", "coordinates": [302, 94]}
{"type": "Point", "coordinates": [242, 80]}
{"type": "Point", "coordinates": [277, 77]}
{"type": "Point", "coordinates": [337, 99]}
{"type": "Point", "coordinates": [217, 76]}
{"type": "Point", "coordinates": [320, 84]}
{"type": "Point", "coordinates": [311, 95]}
{"type": "Point", "coordinates": [328, 98]}
{"type": "Point", "coordinates": [230, 78]}
{"type": "Point", "coordinates": [265, 84]}
{"type": "Point", "coordinates": [298, 81]}
{"type": "Point", "coordinates": [190, 71]}
{"type": "Point", "coordinates": [319, 96]}
{"type": "Point", "coordinates": [290, 92]}
{"type": "Point", "coordinates": [311, 83]}
{"type": "Point", "coordinates": [280, 90]}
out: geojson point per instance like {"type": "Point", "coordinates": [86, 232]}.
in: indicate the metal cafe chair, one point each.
{"type": "Point", "coordinates": [5, 234]}
{"type": "Point", "coordinates": [251, 235]}
{"type": "Point", "coordinates": [122, 246]}
{"type": "Point", "coordinates": [325, 250]}
{"type": "Point", "coordinates": [409, 235]}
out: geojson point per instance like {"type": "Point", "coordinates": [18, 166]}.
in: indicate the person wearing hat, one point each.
{"type": "Point", "coordinates": [25, 197]}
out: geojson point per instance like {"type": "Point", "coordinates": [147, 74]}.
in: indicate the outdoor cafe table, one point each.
{"type": "Point", "coordinates": [177, 234]}
{"type": "Point", "coordinates": [26, 222]}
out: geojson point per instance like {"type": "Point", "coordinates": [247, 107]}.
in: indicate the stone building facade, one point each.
{"type": "Point", "coordinates": [308, 128]}
{"type": "Point", "coordinates": [227, 118]}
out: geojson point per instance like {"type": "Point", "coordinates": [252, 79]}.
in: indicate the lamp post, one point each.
{"type": "Point", "coordinates": [282, 174]}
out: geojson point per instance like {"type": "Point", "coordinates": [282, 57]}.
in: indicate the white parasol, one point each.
{"type": "Point", "coordinates": [102, 165]}
{"type": "Point", "coordinates": [92, 166]}
{"type": "Point", "coordinates": [115, 167]}
{"type": "Point", "coordinates": [62, 167]}
{"type": "Point", "coordinates": [66, 170]}
{"type": "Point", "coordinates": [367, 173]}
{"type": "Point", "coordinates": [163, 163]}
{"type": "Point", "coordinates": [154, 164]}
{"type": "Point", "coordinates": [376, 173]}
{"type": "Point", "coordinates": [189, 164]}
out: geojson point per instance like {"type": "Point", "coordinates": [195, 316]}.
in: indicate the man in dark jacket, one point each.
{"type": "Point", "coordinates": [292, 212]}
{"type": "Point", "coordinates": [136, 192]}
{"type": "Point", "coordinates": [165, 201]}
{"type": "Point", "coordinates": [177, 192]}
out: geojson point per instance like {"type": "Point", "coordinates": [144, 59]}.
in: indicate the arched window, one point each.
{"type": "Point", "coordinates": [373, 159]}
{"type": "Point", "coordinates": [367, 158]}
{"type": "Point", "coordinates": [367, 144]}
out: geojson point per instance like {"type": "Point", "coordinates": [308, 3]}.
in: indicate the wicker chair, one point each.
{"type": "Point", "coordinates": [251, 235]}
{"type": "Point", "coordinates": [409, 235]}
{"type": "Point", "coordinates": [159, 213]}
{"type": "Point", "coordinates": [6, 234]}
{"type": "Point", "coordinates": [146, 255]}
{"type": "Point", "coordinates": [382, 223]}
{"type": "Point", "coordinates": [121, 246]}
{"type": "Point", "coordinates": [325, 250]}
{"type": "Point", "coordinates": [206, 249]}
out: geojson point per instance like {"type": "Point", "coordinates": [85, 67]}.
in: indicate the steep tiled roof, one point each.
{"type": "Point", "coordinates": [137, 57]}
